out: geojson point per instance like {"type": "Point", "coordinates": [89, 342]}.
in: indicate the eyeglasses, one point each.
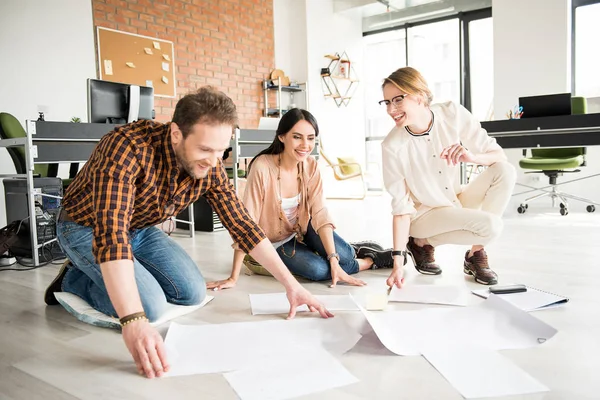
{"type": "Point", "coordinates": [395, 101]}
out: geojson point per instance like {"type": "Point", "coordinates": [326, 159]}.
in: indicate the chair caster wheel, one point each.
{"type": "Point", "coordinates": [590, 208]}
{"type": "Point", "coordinates": [522, 208]}
{"type": "Point", "coordinates": [562, 206]}
{"type": "Point", "coordinates": [563, 211]}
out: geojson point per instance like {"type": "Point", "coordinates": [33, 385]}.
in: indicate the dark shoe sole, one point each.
{"type": "Point", "coordinates": [423, 271]}
{"type": "Point", "coordinates": [469, 272]}
{"type": "Point", "coordinates": [55, 285]}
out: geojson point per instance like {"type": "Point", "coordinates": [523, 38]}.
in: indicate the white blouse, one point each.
{"type": "Point", "coordinates": [413, 173]}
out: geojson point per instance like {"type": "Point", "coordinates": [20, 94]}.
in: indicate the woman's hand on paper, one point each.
{"type": "Point", "coordinates": [339, 275]}
{"type": "Point", "coordinates": [147, 348]}
{"type": "Point", "coordinates": [224, 284]}
{"type": "Point", "coordinates": [396, 277]}
{"type": "Point", "coordinates": [298, 296]}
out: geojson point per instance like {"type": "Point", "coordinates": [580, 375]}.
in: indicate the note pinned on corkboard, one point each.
{"type": "Point", "coordinates": [125, 49]}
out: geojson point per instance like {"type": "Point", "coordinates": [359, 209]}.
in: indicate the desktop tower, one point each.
{"type": "Point", "coordinates": [15, 192]}
{"type": "Point", "coordinates": [205, 219]}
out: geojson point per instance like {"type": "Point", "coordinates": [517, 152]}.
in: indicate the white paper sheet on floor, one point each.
{"type": "Point", "coordinates": [277, 303]}
{"type": "Point", "coordinates": [494, 324]}
{"type": "Point", "coordinates": [204, 349]}
{"type": "Point", "coordinates": [478, 372]}
{"type": "Point", "coordinates": [311, 371]}
{"type": "Point", "coordinates": [432, 294]}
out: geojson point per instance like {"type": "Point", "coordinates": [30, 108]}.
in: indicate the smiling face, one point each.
{"type": "Point", "coordinates": [299, 142]}
{"type": "Point", "coordinates": [404, 111]}
{"type": "Point", "coordinates": [201, 149]}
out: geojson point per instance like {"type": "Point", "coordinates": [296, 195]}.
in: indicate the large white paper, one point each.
{"type": "Point", "coordinates": [431, 294]}
{"type": "Point", "coordinates": [203, 349]}
{"type": "Point", "coordinates": [494, 324]}
{"type": "Point", "coordinates": [311, 371]}
{"type": "Point", "coordinates": [531, 300]}
{"type": "Point", "coordinates": [394, 340]}
{"type": "Point", "coordinates": [479, 372]}
{"type": "Point", "coordinates": [277, 303]}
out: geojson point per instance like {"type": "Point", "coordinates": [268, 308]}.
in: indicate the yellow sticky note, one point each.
{"type": "Point", "coordinates": [130, 64]}
{"type": "Point", "coordinates": [164, 79]}
{"type": "Point", "coordinates": [108, 67]}
{"type": "Point", "coordinates": [376, 301]}
{"type": "Point", "coordinates": [166, 57]}
{"type": "Point", "coordinates": [156, 45]}
{"type": "Point", "coordinates": [148, 50]}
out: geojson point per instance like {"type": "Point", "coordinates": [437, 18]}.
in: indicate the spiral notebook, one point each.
{"type": "Point", "coordinates": [531, 300]}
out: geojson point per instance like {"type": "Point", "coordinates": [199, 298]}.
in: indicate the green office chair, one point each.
{"type": "Point", "coordinates": [554, 163]}
{"type": "Point", "coordinates": [10, 128]}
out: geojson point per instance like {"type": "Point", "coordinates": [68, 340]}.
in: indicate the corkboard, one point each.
{"type": "Point", "coordinates": [123, 57]}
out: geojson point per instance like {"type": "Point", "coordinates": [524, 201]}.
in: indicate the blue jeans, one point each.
{"type": "Point", "coordinates": [310, 258]}
{"type": "Point", "coordinates": [164, 272]}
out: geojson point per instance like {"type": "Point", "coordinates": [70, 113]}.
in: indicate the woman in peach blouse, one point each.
{"type": "Point", "coordinates": [284, 194]}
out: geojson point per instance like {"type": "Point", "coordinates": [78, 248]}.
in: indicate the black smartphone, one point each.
{"type": "Point", "coordinates": [505, 289]}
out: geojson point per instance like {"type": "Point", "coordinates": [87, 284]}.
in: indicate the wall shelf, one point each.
{"type": "Point", "coordinates": [339, 79]}
{"type": "Point", "coordinates": [275, 85]}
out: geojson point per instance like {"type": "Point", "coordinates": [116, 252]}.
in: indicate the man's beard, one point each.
{"type": "Point", "coordinates": [189, 167]}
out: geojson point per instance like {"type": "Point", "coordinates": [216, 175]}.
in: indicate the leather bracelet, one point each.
{"type": "Point", "coordinates": [402, 253]}
{"type": "Point", "coordinates": [336, 255]}
{"type": "Point", "coordinates": [132, 317]}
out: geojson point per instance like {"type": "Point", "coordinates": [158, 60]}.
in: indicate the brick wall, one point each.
{"type": "Point", "coordinates": [225, 43]}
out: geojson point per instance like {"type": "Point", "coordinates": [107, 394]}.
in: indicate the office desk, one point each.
{"type": "Point", "coordinates": [561, 131]}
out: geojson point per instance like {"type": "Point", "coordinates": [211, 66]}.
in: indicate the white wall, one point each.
{"type": "Point", "coordinates": [342, 128]}
{"type": "Point", "coordinates": [532, 50]}
{"type": "Point", "coordinates": [289, 20]}
{"type": "Point", "coordinates": [47, 50]}
{"type": "Point", "coordinates": [532, 56]}
{"type": "Point", "coordinates": [305, 31]}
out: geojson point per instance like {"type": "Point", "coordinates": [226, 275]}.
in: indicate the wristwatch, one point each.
{"type": "Point", "coordinates": [402, 253]}
{"type": "Point", "coordinates": [332, 255]}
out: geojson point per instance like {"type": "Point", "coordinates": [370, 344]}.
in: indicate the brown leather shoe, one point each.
{"type": "Point", "coordinates": [477, 265]}
{"type": "Point", "coordinates": [423, 258]}
{"type": "Point", "coordinates": [56, 285]}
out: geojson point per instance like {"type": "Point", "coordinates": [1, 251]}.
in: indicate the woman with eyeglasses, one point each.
{"type": "Point", "coordinates": [421, 171]}
{"type": "Point", "coordinates": [284, 194]}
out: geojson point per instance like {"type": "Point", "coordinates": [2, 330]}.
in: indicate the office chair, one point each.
{"type": "Point", "coordinates": [10, 128]}
{"type": "Point", "coordinates": [554, 163]}
{"type": "Point", "coordinates": [344, 170]}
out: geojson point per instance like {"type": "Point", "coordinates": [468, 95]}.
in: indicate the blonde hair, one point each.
{"type": "Point", "coordinates": [410, 81]}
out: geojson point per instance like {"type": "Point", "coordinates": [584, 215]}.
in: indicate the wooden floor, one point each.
{"type": "Point", "coordinates": [47, 354]}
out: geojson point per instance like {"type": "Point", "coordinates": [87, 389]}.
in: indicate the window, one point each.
{"type": "Point", "coordinates": [586, 78]}
{"type": "Point", "coordinates": [481, 68]}
{"type": "Point", "coordinates": [384, 53]}
{"type": "Point", "coordinates": [434, 50]}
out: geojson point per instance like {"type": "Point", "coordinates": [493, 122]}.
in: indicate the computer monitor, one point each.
{"type": "Point", "coordinates": [546, 106]}
{"type": "Point", "coordinates": [118, 103]}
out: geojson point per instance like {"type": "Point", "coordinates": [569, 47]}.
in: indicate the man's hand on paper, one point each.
{"type": "Point", "coordinates": [147, 348]}
{"type": "Point", "coordinates": [396, 277]}
{"type": "Point", "coordinates": [224, 284]}
{"type": "Point", "coordinates": [298, 296]}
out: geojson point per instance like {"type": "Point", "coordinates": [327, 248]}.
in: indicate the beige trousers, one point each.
{"type": "Point", "coordinates": [484, 200]}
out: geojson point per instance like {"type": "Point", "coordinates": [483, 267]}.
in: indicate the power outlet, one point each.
{"type": "Point", "coordinates": [534, 178]}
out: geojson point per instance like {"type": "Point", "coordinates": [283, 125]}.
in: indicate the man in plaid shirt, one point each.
{"type": "Point", "coordinates": [139, 175]}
